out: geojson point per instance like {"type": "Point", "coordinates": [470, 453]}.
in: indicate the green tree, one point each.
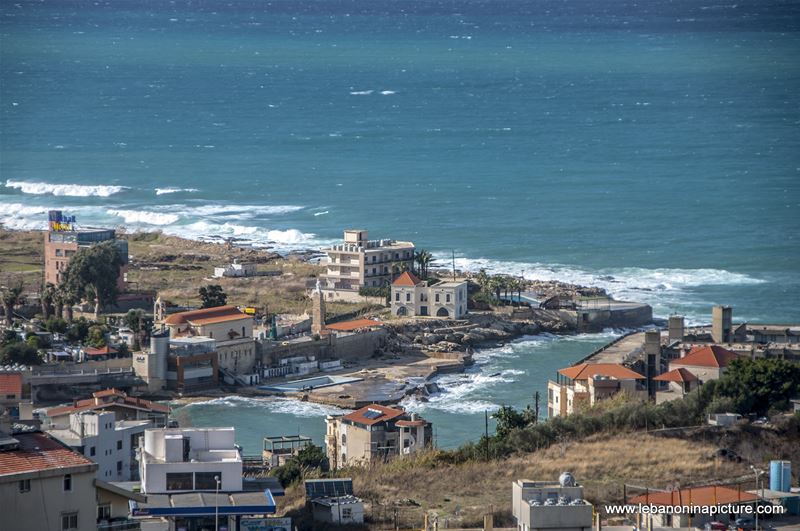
{"type": "Point", "coordinates": [212, 296]}
{"type": "Point", "coordinates": [78, 331]}
{"type": "Point", "coordinates": [139, 323]}
{"type": "Point", "coordinates": [47, 298]}
{"type": "Point", "coordinates": [9, 336]}
{"type": "Point", "coordinates": [312, 456]}
{"type": "Point", "coordinates": [56, 325]}
{"type": "Point", "coordinates": [96, 336]}
{"type": "Point", "coordinates": [93, 272]}
{"type": "Point", "coordinates": [755, 386]}
{"type": "Point", "coordinates": [424, 259]}
{"type": "Point", "coordinates": [508, 419]}
{"type": "Point", "coordinates": [21, 353]}
{"type": "Point", "coordinates": [10, 296]}
{"type": "Point", "coordinates": [482, 278]}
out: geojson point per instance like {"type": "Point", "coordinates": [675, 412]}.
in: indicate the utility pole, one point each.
{"type": "Point", "coordinates": [536, 407]}
{"type": "Point", "coordinates": [216, 505]}
{"type": "Point", "coordinates": [486, 432]}
{"type": "Point", "coordinates": [454, 264]}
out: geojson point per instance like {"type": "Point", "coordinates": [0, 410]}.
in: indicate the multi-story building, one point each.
{"type": "Point", "coordinates": [550, 505]}
{"type": "Point", "coordinates": [175, 460]}
{"type": "Point", "coordinates": [374, 433]}
{"type": "Point", "coordinates": [118, 402]}
{"type": "Point", "coordinates": [414, 297]}
{"type": "Point", "coordinates": [110, 443]}
{"type": "Point", "coordinates": [361, 262]}
{"type": "Point", "coordinates": [45, 485]}
{"type": "Point", "coordinates": [584, 384]}
{"type": "Point", "coordinates": [62, 240]}
{"type": "Point", "coordinates": [230, 328]}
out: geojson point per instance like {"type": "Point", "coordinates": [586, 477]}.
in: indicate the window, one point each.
{"type": "Point", "coordinates": [344, 439]}
{"type": "Point", "coordinates": [68, 482]}
{"type": "Point", "coordinates": [206, 481]}
{"type": "Point", "coordinates": [447, 298]}
{"type": "Point", "coordinates": [179, 481]}
{"type": "Point", "coordinates": [347, 512]}
{"type": "Point", "coordinates": [69, 522]}
{"type": "Point", "coordinates": [119, 445]}
{"type": "Point", "coordinates": [104, 512]}
{"type": "Point", "coordinates": [92, 450]}
{"type": "Point", "coordinates": [408, 297]}
{"type": "Point", "coordinates": [119, 467]}
{"type": "Point", "coordinates": [59, 252]}
{"type": "Point", "coordinates": [397, 296]}
{"type": "Point", "coordinates": [24, 485]}
{"type": "Point", "coordinates": [437, 297]}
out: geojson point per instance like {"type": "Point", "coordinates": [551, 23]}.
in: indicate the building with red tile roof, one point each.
{"type": "Point", "coordinates": [676, 383]}
{"type": "Point", "coordinates": [125, 407]}
{"type": "Point", "coordinates": [584, 384]}
{"type": "Point", "coordinates": [707, 496]}
{"type": "Point", "coordinates": [231, 328]}
{"type": "Point", "coordinates": [44, 484]}
{"type": "Point", "coordinates": [407, 279]}
{"type": "Point", "coordinates": [412, 297]}
{"type": "Point", "coordinates": [374, 432]}
{"type": "Point", "coordinates": [707, 362]}
{"type": "Point", "coordinates": [99, 353]}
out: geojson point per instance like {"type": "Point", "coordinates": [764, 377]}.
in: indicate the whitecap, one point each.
{"type": "Point", "coordinates": [361, 92]}
{"type": "Point", "coordinates": [388, 92]}
{"type": "Point", "coordinates": [174, 190]}
{"type": "Point", "coordinates": [73, 190]}
{"type": "Point", "coordinates": [145, 217]}
{"type": "Point", "coordinates": [321, 213]}
{"type": "Point", "coordinates": [282, 405]}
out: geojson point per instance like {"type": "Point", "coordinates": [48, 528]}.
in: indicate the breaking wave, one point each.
{"type": "Point", "coordinates": [144, 217]}
{"type": "Point", "coordinates": [72, 190]}
{"type": "Point", "coordinates": [173, 190]}
{"type": "Point", "coordinates": [286, 406]}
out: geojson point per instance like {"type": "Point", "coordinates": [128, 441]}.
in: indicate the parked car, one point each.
{"type": "Point", "coordinates": [745, 523]}
{"type": "Point", "coordinates": [716, 526]}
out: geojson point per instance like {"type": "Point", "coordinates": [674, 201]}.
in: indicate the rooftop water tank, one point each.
{"type": "Point", "coordinates": [780, 475]}
{"type": "Point", "coordinates": [566, 479]}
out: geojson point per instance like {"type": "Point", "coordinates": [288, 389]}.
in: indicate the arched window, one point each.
{"type": "Point", "coordinates": [442, 312]}
{"type": "Point", "coordinates": [344, 438]}
{"type": "Point", "coordinates": [402, 311]}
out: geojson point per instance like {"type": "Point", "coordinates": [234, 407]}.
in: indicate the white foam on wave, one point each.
{"type": "Point", "coordinates": [321, 213]}
{"type": "Point", "coordinates": [455, 392]}
{"type": "Point", "coordinates": [16, 216]}
{"type": "Point", "coordinates": [237, 211]}
{"type": "Point", "coordinates": [72, 190]}
{"type": "Point", "coordinates": [137, 217]}
{"type": "Point", "coordinates": [286, 406]}
{"type": "Point", "coordinates": [388, 92]}
{"type": "Point", "coordinates": [361, 92]}
{"type": "Point", "coordinates": [663, 288]}
{"type": "Point", "coordinates": [174, 190]}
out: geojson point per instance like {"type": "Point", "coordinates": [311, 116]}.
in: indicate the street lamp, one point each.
{"type": "Point", "coordinates": [757, 472]}
{"type": "Point", "coordinates": [216, 504]}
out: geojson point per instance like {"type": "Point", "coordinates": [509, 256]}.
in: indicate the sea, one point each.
{"type": "Point", "coordinates": [650, 147]}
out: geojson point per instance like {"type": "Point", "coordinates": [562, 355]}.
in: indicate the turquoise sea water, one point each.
{"type": "Point", "coordinates": [649, 147]}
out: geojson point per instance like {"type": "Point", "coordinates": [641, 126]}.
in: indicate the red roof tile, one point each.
{"type": "Point", "coordinates": [407, 279]}
{"type": "Point", "coordinates": [217, 314]}
{"type": "Point", "coordinates": [707, 356]}
{"type": "Point", "coordinates": [712, 495]}
{"type": "Point", "coordinates": [10, 384]}
{"type": "Point", "coordinates": [89, 351]}
{"type": "Point", "coordinates": [349, 326]}
{"type": "Point", "coordinates": [38, 452]}
{"type": "Point", "coordinates": [584, 371]}
{"type": "Point", "coordinates": [106, 398]}
{"type": "Point", "coordinates": [382, 414]}
{"type": "Point", "coordinates": [679, 375]}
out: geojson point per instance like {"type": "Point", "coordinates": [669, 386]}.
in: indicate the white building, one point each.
{"type": "Point", "coordinates": [235, 270]}
{"type": "Point", "coordinates": [550, 505]}
{"type": "Point", "coordinates": [44, 485]}
{"type": "Point", "coordinates": [176, 460]}
{"type": "Point", "coordinates": [110, 443]}
{"type": "Point", "coordinates": [338, 510]}
{"type": "Point", "coordinates": [361, 262]}
{"type": "Point", "coordinates": [414, 297]}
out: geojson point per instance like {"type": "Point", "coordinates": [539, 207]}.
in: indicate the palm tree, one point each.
{"type": "Point", "coordinates": [10, 298]}
{"type": "Point", "coordinates": [46, 299]}
{"type": "Point", "coordinates": [482, 278]}
{"type": "Point", "coordinates": [424, 259]}
{"type": "Point", "coordinates": [66, 297]}
{"type": "Point", "coordinates": [495, 285]}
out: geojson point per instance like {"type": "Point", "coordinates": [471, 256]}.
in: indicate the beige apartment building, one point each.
{"type": "Point", "coordinates": [360, 262]}
{"type": "Point", "coordinates": [61, 245]}
{"type": "Point", "coordinates": [413, 297]}
{"type": "Point", "coordinates": [585, 384]}
{"type": "Point", "coordinates": [374, 433]}
{"type": "Point", "coordinates": [45, 485]}
{"type": "Point", "coordinates": [707, 362]}
{"type": "Point", "coordinates": [230, 328]}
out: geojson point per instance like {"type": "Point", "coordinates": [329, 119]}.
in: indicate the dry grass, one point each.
{"type": "Point", "coordinates": [176, 268]}
{"type": "Point", "coordinates": [463, 493]}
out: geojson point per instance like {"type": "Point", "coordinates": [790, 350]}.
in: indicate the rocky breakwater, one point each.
{"type": "Point", "coordinates": [454, 339]}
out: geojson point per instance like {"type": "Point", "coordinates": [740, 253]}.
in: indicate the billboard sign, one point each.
{"type": "Point", "coordinates": [58, 222]}
{"type": "Point", "coordinates": [266, 524]}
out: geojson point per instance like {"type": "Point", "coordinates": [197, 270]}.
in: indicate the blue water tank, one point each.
{"type": "Point", "coordinates": [780, 475]}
